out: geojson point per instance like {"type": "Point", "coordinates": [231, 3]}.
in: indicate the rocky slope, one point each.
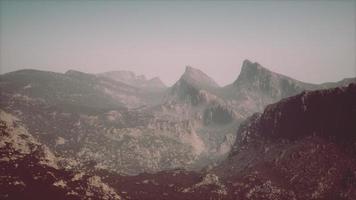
{"type": "Point", "coordinates": [29, 170]}
{"type": "Point", "coordinates": [75, 116]}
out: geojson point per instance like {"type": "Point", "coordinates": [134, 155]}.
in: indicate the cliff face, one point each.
{"type": "Point", "coordinates": [301, 147]}
{"type": "Point", "coordinates": [329, 113]}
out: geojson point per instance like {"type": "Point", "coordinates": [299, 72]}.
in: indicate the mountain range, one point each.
{"type": "Point", "coordinates": [117, 127]}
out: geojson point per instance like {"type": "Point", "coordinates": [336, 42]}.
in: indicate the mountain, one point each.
{"type": "Point", "coordinates": [255, 76]}
{"type": "Point", "coordinates": [55, 88]}
{"type": "Point", "coordinates": [74, 89]}
{"type": "Point", "coordinates": [188, 87]}
{"type": "Point", "coordinates": [197, 79]}
{"type": "Point", "coordinates": [132, 79]}
{"type": "Point", "coordinates": [193, 99]}
{"type": "Point", "coordinates": [156, 83]}
{"type": "Point", "coordinates": [257, 87]}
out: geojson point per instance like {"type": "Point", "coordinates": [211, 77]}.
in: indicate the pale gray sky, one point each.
{"type": "Point", "coordinates": [312, 41]}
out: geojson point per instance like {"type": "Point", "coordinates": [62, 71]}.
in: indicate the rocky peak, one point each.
{"type": "Point", "coordinates": [258, 82]}
{"type": "Point", "coordinates": [157, 82]}
{"type": "Point", "coordinates": [190, 69]}
{"type": "Point", "coordinates": [188, 87]}
{"type": "Point", "coordinates": [249, 64]}
{"type": "Point", "coordinates": [197, 79]}
{"type": "Point", "coordinates": [252, 71]}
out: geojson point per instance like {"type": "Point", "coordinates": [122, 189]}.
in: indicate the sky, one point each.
{"type": "Point", "coordinates": [312, 41]}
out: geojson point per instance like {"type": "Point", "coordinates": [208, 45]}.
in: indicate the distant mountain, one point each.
{"type": "Point", "coordinates": [257, 87]}
{"type": "Point", "coordinates": [74, 89]}
{"type": "Point", "coordinates": [198, 79]}
{"type": "Point", "coordinates": [193, 98]}
{"type": "Point", "coordinates": [56, 88]}
{"type": "Point", "coordinates": [132, 79]}
{"type": "Point", "coordinates": [255, 76]}
{"type": "Point", "coordinates": [342, 83]}
{"type": "Point", "coordinates": [190, 84]}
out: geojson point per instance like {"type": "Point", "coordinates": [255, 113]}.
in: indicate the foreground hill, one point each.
{"type": "Point", "coordinates": [302, 147]}
{"type": "Point", "coordinates": [29, 170]}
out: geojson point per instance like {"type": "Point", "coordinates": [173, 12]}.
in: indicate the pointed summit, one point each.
{"type": "Point", "coordinates": [252, 71]}
{"type": "Point", "coordinates": [190, 84]}
{"type": "Point", "coordinates": [252, 68]}
{"type": "Point", "coordinates": [197, 79]}
{"type": "Point", "coordinates": [189, 68]}
{"type": "Point", "coordinates": [156, 83]}
{"type": "Point", "coordinates": [247, 64]}
{"type": "Point", "coordinates": [257, 86]}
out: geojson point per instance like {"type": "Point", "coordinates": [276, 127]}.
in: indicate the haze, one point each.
{"type": "Point", "coordinates": [312, 41]}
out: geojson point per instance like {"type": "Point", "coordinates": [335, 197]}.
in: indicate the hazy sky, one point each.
{"type": "Point", "coordinates": [312, 41]}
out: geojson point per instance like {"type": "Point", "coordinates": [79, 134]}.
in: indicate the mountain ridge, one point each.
{"type": "Point", "coordinates": [130, 78]}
